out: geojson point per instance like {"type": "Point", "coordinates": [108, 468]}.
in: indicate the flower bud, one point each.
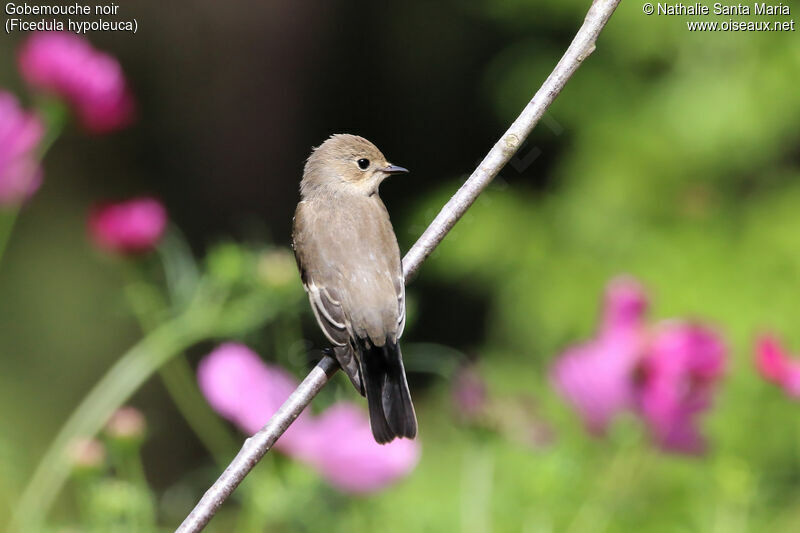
{"type": "Point", "coordinates": [86, 455]}
{"type": "Point", "coordinates": [469, 393]}
{"type": "Point", "coordinates": [127, 424]}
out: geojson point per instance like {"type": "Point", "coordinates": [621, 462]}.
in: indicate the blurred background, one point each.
{"type": "Point", "coordinates": [671, 156]}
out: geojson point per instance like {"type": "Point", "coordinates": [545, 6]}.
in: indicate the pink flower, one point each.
{"type": "Point", "coordinates": [92, 82]}
{"type": "Point", "coordinates": [776, 366]}
{"type": "Point", "coordinates": [130, 227]}
{"type": "Point", "coordinates": [342, 449]}
{"type": "Point", "coordinates": [20, 134]}
{"type": "Point", "coordinates": [243, 389]}
{"type": "Point", "coordinates": [338, 444]}
{"type": "Point", "coordinates": [596, 377]}
{"type": "Point", "coordinates": [663, 373]}
{"type": "Point", "coordinates": [678, 374]}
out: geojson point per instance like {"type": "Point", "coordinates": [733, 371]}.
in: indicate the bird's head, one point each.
{"type": "Point", "coordinates": [348, 164]}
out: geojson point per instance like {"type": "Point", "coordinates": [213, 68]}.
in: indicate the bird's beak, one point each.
{"type": "Point", "coordinates": [394, 169]}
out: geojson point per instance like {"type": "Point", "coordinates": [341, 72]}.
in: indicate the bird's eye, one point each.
{"type": "Point", "coordinates": [363, 164]}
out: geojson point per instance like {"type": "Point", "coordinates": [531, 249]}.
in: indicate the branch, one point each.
{"type": "Point", "coordinates": [259, 444]}
{"type": "Point", "coordinates": [581, 47]}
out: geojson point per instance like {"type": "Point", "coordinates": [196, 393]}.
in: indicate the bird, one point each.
{"type": "Point", "coordinates": [351, 268]}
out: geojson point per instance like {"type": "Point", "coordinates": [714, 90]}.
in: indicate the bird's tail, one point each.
{"type": "Point", "coordinates": [391, 413]}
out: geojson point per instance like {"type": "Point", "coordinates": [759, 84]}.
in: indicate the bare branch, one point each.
{"type": "Point", "coordinates": [581, 47]}
{"type": "Point", "coordinates": [259, 444]}
{"type": "Point", "coordinates": [256, 446]}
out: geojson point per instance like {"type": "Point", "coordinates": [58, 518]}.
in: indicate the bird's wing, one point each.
{"type": "Point", "coordinates": [400, 288]}
{"type": "Point", "coordinates": [324, 298]}
{"type": "Point", "coordinates": [329, 313]}
{"type": "Point", "coordinates": [394, 267]}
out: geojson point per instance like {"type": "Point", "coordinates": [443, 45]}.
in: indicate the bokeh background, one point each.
{"type": "Point", "coordinates": [671, 156]}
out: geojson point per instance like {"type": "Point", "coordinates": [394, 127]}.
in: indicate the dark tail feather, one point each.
{"type": "Point", "coordinates": [391, 413]}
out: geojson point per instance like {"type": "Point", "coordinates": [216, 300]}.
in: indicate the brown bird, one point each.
{"type": "Point", "coordinates": [350, 265]}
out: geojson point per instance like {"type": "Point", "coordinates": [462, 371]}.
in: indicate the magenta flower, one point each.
{"type": "Point", "coordinates": [338, 444]}
{"type": "Point", "coordinates": [595, 377]}
{"type": "Point", "coordinates": [20, 134]}
{"type": "Point", "coordinates": [677, 378]}
{"type": "Point", "coordinates": [131, 227]}
{"type": "Point", "coordinates": [776, 365]}
{"type": "Point", "coordinates": [665, 373]}
{"type": "Point", "coordinates": [92, 82]}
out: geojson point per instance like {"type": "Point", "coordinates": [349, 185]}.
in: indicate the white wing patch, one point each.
{"type": "Point", "coordinates": [401, 307]}
{"type": "Point", "coordinates": [318, 294]}
{"type": "Point", "coordinates": [325, 307]}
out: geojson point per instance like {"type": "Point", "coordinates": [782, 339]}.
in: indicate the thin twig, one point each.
{"type": "Point", "coordinates": [511, 141]}
{"type": "Point", "coordinates": [256, 446]}
{"type": "Point", "coordinates": [259, 444]}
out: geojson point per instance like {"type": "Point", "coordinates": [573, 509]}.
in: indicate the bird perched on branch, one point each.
{"type": "Point", "coordinates": [350, 265]}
